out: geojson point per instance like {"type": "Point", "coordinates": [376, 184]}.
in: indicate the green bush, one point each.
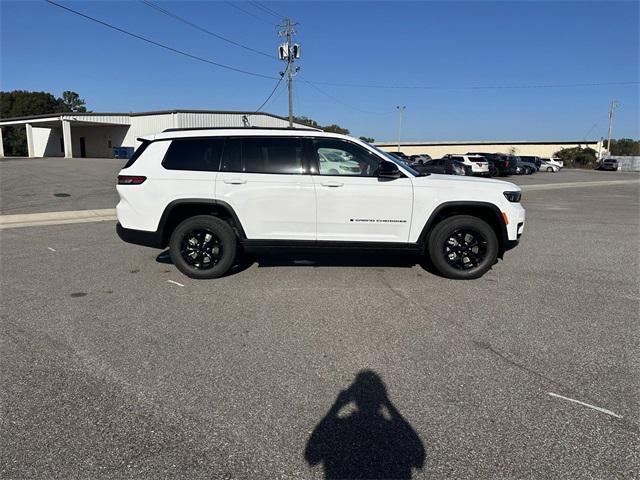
{"type": "Point", "coordinates": [578, 157]}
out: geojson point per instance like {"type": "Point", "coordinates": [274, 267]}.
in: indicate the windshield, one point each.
{"type": "Point", "coordinates": [397, 161]}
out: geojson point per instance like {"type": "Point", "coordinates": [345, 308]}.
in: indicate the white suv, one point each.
{"type": "Point", "coordinates": [479, 165]}
{"type": "Point", "coordinates": [209, 193]}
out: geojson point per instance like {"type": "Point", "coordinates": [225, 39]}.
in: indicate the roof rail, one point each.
{"type": "Point", "coordinates": [182, 129]}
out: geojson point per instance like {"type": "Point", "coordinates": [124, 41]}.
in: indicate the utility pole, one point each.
{"type": "Point", "coordinates": [400, 111]}
{"type": "Point", "coordinates": [290, 53]}
{"type": "Point", "coordinates": [614, 104]}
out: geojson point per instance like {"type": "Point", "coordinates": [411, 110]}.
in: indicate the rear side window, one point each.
{"type": "Point", "coordinates": [264, 155]}
{"type": "Point", "coordinates": [139, 151]}
{"type": "Point", "coordinates": [195, 154]}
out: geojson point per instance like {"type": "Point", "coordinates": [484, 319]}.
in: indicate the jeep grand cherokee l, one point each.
{"type": "Point", "coordinates": [208, 193]}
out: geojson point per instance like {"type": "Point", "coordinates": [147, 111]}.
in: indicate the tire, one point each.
{"type": "Point", "coordinates": [484, 247]}
{"type": "Point", "coordinates": [550, 169]}
{"type": "Point", "coordinates": [213, 256]}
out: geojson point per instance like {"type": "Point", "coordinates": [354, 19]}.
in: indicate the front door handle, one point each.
{"type": "Point", "coordinates": [332, 183]}
{"type": "Point", "coordinates": [235, 181]}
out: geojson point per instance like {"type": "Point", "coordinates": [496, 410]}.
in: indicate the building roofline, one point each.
{"type": "Point", "coordinates": [135, 114]}
{"type": "Point", "coordinates": [483, 142]}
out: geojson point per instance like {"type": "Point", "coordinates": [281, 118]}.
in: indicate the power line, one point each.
{"type": "Point", "coordinates": [273, 100]}
{"type": "Point", "coordinates": [202, 29]}
{"type": "Point", "coordinates": [153, 42]}
{"type": "Point", "coordinates": [270, 95]}
{"type": "Point", "coordinates": [337, 100]}
{"type": "Point", "coordinates": [474, 87]}
{"type": "Point", "coordinates": [237, 7]}
{"type": "Point", "coordinates": [266, 9]}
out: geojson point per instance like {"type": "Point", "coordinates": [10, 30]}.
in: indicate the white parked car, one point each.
{"type": "Point", "coordinates": [546, 166]}
{"type": "Point", "coordinates": [210, 193]}
{"type": "Point", "coordinates": [554, 161]}
{"type": "Point", "coordinates": [336, 163]}
{"type": "Point", "coordinates": [479, 165]}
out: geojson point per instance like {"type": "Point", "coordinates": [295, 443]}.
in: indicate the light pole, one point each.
{"type": "Point", "coordinates": [400, 111]}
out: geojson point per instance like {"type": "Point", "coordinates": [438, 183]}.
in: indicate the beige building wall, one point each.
{"type": "Point", "coordinates": [439, 149]}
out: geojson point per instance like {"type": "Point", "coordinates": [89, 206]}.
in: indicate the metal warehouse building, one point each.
{"type": "Point", "coordinates": [97, 134]}
{"type": "Point", "coordinates": [439, 149]}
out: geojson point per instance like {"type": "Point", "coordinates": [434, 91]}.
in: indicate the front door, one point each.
{"type": "Point", "coordinates": [353, 204]}
{"type": "Point", "coordinates": [265, 180]}
{"type": "Point", "coordinates": [83, 147]}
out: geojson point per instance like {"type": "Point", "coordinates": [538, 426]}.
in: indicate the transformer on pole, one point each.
{"type": "Point", "coordinates": [290, 53]}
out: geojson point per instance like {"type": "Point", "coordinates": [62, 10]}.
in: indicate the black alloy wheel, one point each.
{"type": "Point", "coordinates": [463, 247]}
{"type": "Point", "coordinates": [203, 246]}
{"type": "Point", "coordinates": [201, 249]}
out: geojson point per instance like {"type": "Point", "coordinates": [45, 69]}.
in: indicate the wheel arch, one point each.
{"type": "Point", "coordinates": [180, 210]}
{"type": "Point", "coordinates": [484, 210]}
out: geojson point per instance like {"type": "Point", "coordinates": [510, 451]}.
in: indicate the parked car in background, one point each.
{"type": "Point", "coordinates": [444, 166]}
{"type": "Point", "coordinates": [479, 165]}
{"type": "Point", "coordinates": [501, 164]}
{"type": "Point", "coordinates": [537, 161]}
{"type": "Point", "coordinates": [553, 161]}
{"type": "Point", "coordinates": [337, 164]}
{"type": "Point", "coordinates": [549, 167]}
{"type": "Point", "coordinates": [524, 167]}
{"type": "Point", "coordinates": [608, 164]}
{"type": "Point", "coordinates": [419, 159]}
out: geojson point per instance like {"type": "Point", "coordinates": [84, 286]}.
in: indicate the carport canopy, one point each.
{"type": "Point", "coordinates": [65, 122]}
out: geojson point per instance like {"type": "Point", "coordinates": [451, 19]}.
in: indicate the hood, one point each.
{"type": "Point", "coordinates": [472, 182]}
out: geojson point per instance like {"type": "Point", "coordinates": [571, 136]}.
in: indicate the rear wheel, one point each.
{"type": "Point", "coordinates": [203, 247]}
{"type": "Point", "coordinates": [549, 169]}
{"type": "Point", "coordinates": [463, 247]}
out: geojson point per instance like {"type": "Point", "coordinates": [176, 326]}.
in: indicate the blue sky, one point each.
{"type": "Point", "coordinates": [449, 46]}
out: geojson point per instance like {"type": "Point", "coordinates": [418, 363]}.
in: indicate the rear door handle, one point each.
{"type": "Point", "coordinates": [332, 183]}
{"type": "Point", "coordinates": [235, 181]}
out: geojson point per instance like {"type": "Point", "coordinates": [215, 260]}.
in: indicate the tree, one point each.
{"type": "Point", "coordinates": [333, 128]}
{"type": "Point", "coordinates": [72, 102]}
{"type": "Point", "coordinates": [624, 147]}
{"type": "Point", "coordinates": [577, 157]}
{"type": "Point", "coordinates": [20, 103]}
{"type": "Point", "coordinates": [329, 128]}
{"type": "Point", "coordinates": [367, 139]}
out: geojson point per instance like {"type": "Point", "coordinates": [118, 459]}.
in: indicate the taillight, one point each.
{"type": "Point", "coordinates": [506, 163]}
{"type": "Point", "coordinates": [130, 179]}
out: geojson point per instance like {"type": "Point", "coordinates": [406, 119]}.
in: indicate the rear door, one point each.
{"type": "Point", "coordinates": [353, 204]}
{"type": "Point", "coordinates": [266, 182]}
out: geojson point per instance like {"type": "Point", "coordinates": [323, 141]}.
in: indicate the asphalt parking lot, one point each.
{"type": "Point", "coordinates": [114, 365]}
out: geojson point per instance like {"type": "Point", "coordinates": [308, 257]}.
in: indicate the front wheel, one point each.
{"type": "Point", "coordinates": [549, 169]}
{"type": "Point", "coordinates": [203, 247]}
{"type": "Point", "coordinates": [463, 247]}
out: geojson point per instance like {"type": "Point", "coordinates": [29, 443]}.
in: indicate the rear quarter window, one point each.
{"type": "Point", "coordinates": [194, 154]}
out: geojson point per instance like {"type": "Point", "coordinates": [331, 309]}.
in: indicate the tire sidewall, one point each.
{"type": "Point", "coordinates": [441, 233]}
{"type": "Point", "coordinates": [225, 235]}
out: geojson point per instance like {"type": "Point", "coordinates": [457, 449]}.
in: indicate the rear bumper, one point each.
{"type": "Point", "coordinates": [139, 237]}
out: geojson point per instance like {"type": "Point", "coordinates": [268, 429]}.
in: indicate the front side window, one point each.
{"type": "Point", "coordinates": [264, 155]}
{"type": "Point", "coordinates": [196, 154]}
{"type": "Point", "coordinates": [337, 157]}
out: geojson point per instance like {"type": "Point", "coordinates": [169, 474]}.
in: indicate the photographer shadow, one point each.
{"type": "Point", "coordinates": [369, 440]}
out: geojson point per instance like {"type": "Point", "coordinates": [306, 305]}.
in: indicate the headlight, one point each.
{"type": "Point", "coordinates": [513, 196]}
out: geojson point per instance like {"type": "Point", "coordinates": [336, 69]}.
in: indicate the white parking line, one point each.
{"type": "Point", "coordinates": [556, 186]}
{"type": "Point", "coordinates": [175, 283]}
{"type": "Point", "coordinates": [52, 249]}
{"type": "Point", "coordinates": [603, 410]}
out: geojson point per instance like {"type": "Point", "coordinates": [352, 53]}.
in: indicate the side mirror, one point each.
{"type": "Point", "coordinates": [388, 170]}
